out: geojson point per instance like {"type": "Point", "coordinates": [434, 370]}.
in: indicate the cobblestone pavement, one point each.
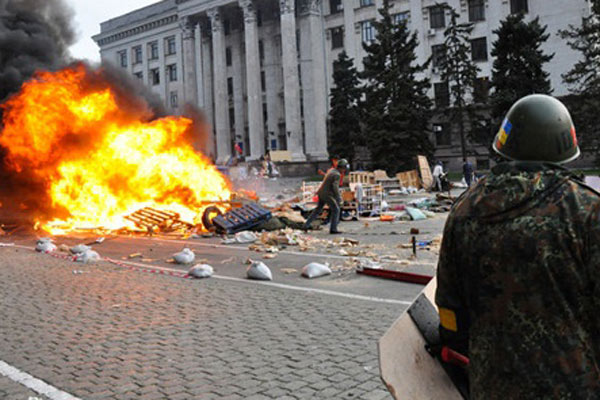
{"type": "Point", "coordinates": [101, 332]}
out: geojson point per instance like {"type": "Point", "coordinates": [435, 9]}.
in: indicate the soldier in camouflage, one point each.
{"type": "Point", "coordinates": [519, 269]}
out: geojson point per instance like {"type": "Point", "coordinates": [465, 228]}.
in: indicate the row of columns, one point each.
{"type": "Point", "coordinates": [199, 85]}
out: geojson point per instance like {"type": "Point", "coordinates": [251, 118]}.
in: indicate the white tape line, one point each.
{"type": "Point", "coordinates": [282, 286]}
{"type": "Point", "coordinates": [33, 383]}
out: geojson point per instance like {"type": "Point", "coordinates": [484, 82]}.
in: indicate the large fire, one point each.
{"type": "Point", "coordinates": [101, 158]}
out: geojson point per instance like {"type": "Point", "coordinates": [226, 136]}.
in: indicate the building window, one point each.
{"type": "Point", "coordinates": [228, 56]}
{"type": "Point", "coordinates": [263, 81]}
{"type": "Point", "coordinates": [122, 58]}
{"type": "Point", "coordinates": [153, 50]}
{"type": "Point", "coordinates": [172, 72]}
{"type": "Point", "coordinates": [174, 100]}
{"type": "Point", "coordinates": [476, 10]}
{"type": "Point", "coordinates": [365, 3]}
{"type": "Point", "coordinates": [441, 94]}
{"type": "Point", "coordinates": [481, 90]}
{"type": "Point", "coordinates": [437, 18]}
{"type": "Point", "coordinates": [155, 76]}
{"type": "Point", "coordinates": [139, 75]}
{"type": "Point", "coordinates": [438, 53]}
{"type": "Point", "coordinates": [137, 54]}
{"type": "Point", "coordinates": [519, 6]}
{"type": "Point", "coordinates": [230, 87]}
{"type": "Point", "coordinates": [261, 51]}
{"type": "Point", "coordinates": [335, 6]}
{"type": "Point", "coordinates": [337, 37]}
{"type": "Point", "coordinates": [367, 31]}
{"type": "Point", "coordinates": [226, 27]}
{"type": "Point", "coordinates": [401, 17]}
{"type": "Point", "coordinates": [442, 135]}
{"type": "Point", "coordinates": [479, 49]}
{"type": "Point", "coordinates": [231, 118]}
{"type": "Point", "coordinates": [171, 47]}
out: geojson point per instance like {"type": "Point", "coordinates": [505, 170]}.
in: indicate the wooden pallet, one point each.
{"type": "Point", "coordinates": [409, 179]}
{"type": "Point", "coordinates": [153, 220]}
{"type": "Point", "coordinates": [241, 219]}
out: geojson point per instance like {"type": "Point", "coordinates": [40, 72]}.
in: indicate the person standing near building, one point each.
{"type": "Point", "coordinates": [438, 172]}
{"type": "Point", "coordinates": [329, 194]}
{"type": "Point", "coordinates": [468, 172]}
{"type": "Point", "coordinates": [519, 268]}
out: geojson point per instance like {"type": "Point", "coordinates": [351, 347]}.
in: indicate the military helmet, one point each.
{"type": "Point", "coordinates": [537, 128]}
{"type": "Point", "coordinates": [343, 164]}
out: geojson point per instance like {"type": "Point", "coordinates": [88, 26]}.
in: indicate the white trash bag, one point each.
{"type": "Point", "coordinates": [186, 256]}
{"type": "Point", "coordinates": [258, 270]}
{"type": "Point", "coordinates": [87, 256]}
{"type": "Point", "coordinates": [45, 245]}
{"type": "Point", "coordinates": [315, 270]}
{"type": "Point", "coordinates": [80, 248]}
{"type": "Point", "coordinates": [201, 271]}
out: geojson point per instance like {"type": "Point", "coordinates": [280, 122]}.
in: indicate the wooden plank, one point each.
{"type": "Point", "coordinates": [425, 171]}
{"type": "Point", "coordinates": [407, 369]}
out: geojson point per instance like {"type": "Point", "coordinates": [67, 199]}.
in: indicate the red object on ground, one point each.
{"type": "Point", "coordinates": [452, 357]}
{"type": "Point", "coordinates": [396, 275]}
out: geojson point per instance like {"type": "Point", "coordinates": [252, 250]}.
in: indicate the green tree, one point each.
{"type": "Point", "coordinates": [519, 63]}
{"type": "Point", "coordinates": [344, 123]}
{"type": "Point", "coordinates": [584, 78]}
{"type": "Point", "coordinates": [457, 68]}
{"type": "Point", "coordinates": [396, 110]}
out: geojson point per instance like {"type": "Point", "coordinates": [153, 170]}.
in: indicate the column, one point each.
{"type": "Point", "coordinates": [255, 114]}
{"type": "Point", "coordinates": [272, 82]}
{"type": "Point", "coordinates": [207, 80]}
{"type": "Point", "coordinates": [316, 138]}
{"type": "Point", "coordinates": [291, 83]}
{"type": "Point", "coordinates": [349, 31]}
{"type": "Point", "coordinates": [220, 87]}
{"type": "Point", "coordinates": [198, 63]}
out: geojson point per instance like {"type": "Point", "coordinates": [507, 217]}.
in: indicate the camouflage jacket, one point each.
{"type": "Point", "coordinates": [519, 271]}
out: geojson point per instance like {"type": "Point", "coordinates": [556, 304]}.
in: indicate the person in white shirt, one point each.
{"type": "Point", "coordinates": [438, 172]}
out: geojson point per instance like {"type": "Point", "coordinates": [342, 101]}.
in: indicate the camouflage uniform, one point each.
{"type": "Point", "coordinates": [519, 284]}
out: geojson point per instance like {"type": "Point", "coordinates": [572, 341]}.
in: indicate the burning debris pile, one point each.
{"type": "Point", "coordinates": [94, 154]}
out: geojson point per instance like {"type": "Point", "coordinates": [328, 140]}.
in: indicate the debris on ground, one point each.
{"type": "Point", "coordinates": [135, 255]}
{"type": "Point", "coordinates": [259, 271]}
{"type": "Point", "coordinates": [315, 270]}
{"type": "Point", "coordinates": [87, 256]}
{"type": "Point", "coordinates": [186, 256]}
{"type": "Point", "coordinates": [201, 271]}
{"type": "Point", "coordinates": [241, 238]}
{"type": "Point", "coordinates": [64, 248]}
{"type": "Point", "coordinates": [289, 271]}
{"type": "Point", "coordinates": [45, 245]}
{"type": "Point", "coordinates": [80, 248]}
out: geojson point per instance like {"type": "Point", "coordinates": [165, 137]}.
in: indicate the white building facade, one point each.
{"type": "Point", "coordinates": [262, 69]}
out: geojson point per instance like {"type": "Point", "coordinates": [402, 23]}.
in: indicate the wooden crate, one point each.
{"type": "Point", "coordinates": [409, 179]}
{"type": "Point", "coordinates": [366, 178]}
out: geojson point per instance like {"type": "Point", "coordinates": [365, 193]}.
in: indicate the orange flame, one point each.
{"type": "Point", "coordinates": [99, 157]}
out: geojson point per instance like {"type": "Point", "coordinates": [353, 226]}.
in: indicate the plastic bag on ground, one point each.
{"type": "Point", "coordinates": [186, 256]}
{"type": "Point", "coordinates": [315, 270]}
{"type": "Point", "coordinates": [45, 245]}
{"type": "Point", "coordinates": [201, 271]}
{"type": "Point", "coordinates": [80, 248]}
{"type": "Point", "coordinates": [258, 270]}
{"type": "Point", "coordinates": [242, 237]}
{"type": "Point", "coordinates": [87, 256]}
{"type": "Point", "coordinates": [415, 214]}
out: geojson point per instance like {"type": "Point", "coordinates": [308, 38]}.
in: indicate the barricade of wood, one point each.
{"type": "Point", "coordinates": [409, 179]}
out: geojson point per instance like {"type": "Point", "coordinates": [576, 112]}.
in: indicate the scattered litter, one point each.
{"type": "Point", "coordinates": [258, 270]}
{"type": "Point", "coordinates": [269, 256]}
{"type": "Point", "coordinates": [79, 272]}
{"type": "Point", "coordinates": [135, 255]}
{"type": "Point", "coordinates": [45, 245]}
{"type": "Point", "coordinates": [367, 263]}
{"type": "Point", "coordinates": [186, 256]}
{"type": "Point", "coordinates": [315, 270]}
{"type": "Point", "coordinates": [414, 231]}
{"type": "Point", "coordinates": [415, 214]}
{"type": "Point", "coordinates": [229, 260]}
{"type": "Point", "coordinates": [289, 271]}
{"type": "Point", "coordinates": [201, 271]}
{"type": "Point", "coordinates": [97, 241]}
{"type": "Point", "coordinates": [87, 256]}
{"type": "Point", "coordinates": [64, 248]}
{"type": "Point", "coordinates": [243, 237]}
{"type": "Point", "coordinates": [80, 248]}
{"type": "Point", "coordinates": [7, 244]}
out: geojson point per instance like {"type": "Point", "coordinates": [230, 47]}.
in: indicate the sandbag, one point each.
{"type": "Point", "coordinates": [242, 238]}
{"type": "Point", "coordinates": [258, 270]}
{"type": "Point", "coordinates": [186, 256]}
{"type": "Point", "coordinates": [80, 248]}
{"type": "Point", "coordinates": [315, 270]}
{"type": "Point", "coordinates": [45, 245]}
{"type": "Point", "coordinates": [201, 271]}
{"type": "Point", "coordinates": [87, 256]}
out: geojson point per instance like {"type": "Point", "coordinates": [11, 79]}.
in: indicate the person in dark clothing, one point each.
{"type": "Point", "coordinates": [329, 194]}
{"type": "Point", "coordinates": [519, 269]}
{"type": "Point", "coordinates": [468, 172]}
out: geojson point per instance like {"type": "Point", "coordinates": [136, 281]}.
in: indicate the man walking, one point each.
{"type": "Point", "coordinates": [438, 172]}
{"type": "Point", "coordinates": [329, 193]}
{"type": "Point", "coordinates": [519, 269]}
{"type": "Point", "coordinates": [468, 172]}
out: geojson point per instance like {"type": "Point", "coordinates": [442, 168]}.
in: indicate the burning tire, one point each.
{"type": "Point", "coordinates": [208, 215]}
